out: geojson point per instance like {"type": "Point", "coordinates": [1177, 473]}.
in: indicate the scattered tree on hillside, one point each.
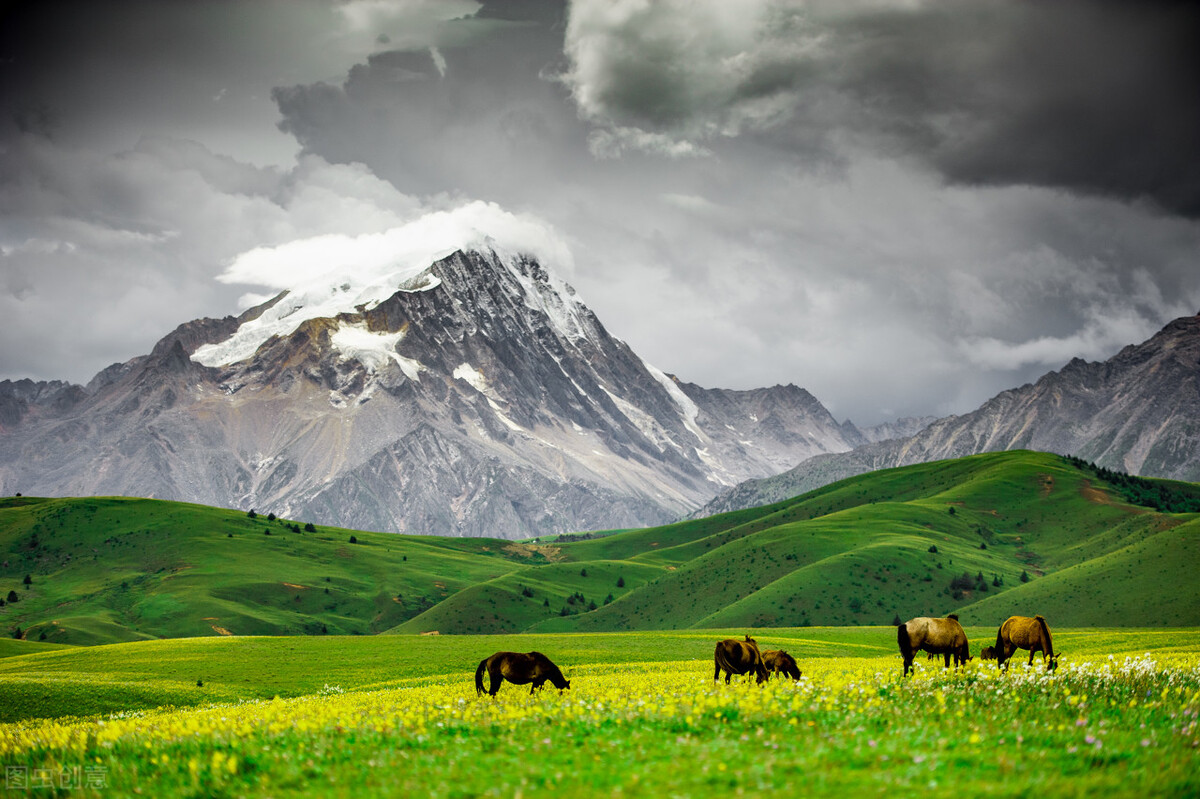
{"type": "Point", "coordinates": [583, 572]}
{"type": "Point", "coordinates": [933, 548]}
{"type": "Point", "coordinates": [28, 580]}
{"type": "Point", "coordinates": [620, 582]}
{"type": "Point", "coordinates": [252, 514]}
{"type": "Point", "coordinates": [1024, 576]}
{"type": "Point", "coordinates": [270, 517]}
{"type": "Point", "coordinates": [1163, 496]}
{"type": "Point", "coordinates": [963, 582]}
{"type": "Point", "coordinates": [896, 620]}
{"type": "Point", "coordinates": [353, 539]}
{"type": "Point", "coordinates": [310, 528]}
{"type": "Point", "coordinates": [12, 597]}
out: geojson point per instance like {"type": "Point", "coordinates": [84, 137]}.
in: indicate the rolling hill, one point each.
{"type": "Point", "coordinates": [984, 536]}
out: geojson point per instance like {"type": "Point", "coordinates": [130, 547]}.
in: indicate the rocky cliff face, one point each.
{"type": "Point", "coordinates": [1138, 412]}
{"type": "Point", "coordinates": [481, 397]}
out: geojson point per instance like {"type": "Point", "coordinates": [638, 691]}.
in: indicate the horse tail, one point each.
{"type": "Point", "coordinates": [479, 677]}
{"type": "Point", "coordinates": [905, 642]}
{"type": "Point", "coordinates": [720, 659]}
{"type": "Point", "coordinates": [1048, 648]}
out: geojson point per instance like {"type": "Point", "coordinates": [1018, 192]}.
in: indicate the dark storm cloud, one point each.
{"type": "Point", "coordinates": [467, 124]}
{"type": "Point", "coordinates": [873, 200]}
{"type": "Point", "coordinates": [1093, 97]}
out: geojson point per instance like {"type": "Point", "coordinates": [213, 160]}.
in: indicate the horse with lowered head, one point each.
{"type": "Point", "coordinates": [519, 668]}
{"type": "Point", "coordinates": [779, 662]}
{"type": "Point", "coordinates": [935, 636]}
{"type": "Point", "coordinates": [1022, 632]}
{"type": "Point", "coordinates": [739, 657]}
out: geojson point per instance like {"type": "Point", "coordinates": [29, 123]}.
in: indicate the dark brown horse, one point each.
{"type": "Point", "coordinates": [778, 661]}
{"type": "Point", "coordinates": [739, 657]}
{"type": "Point", "coordinates": [1022, 632]}
{"type": "Point", "coordinates": [987, 653]}
{"type": "Point", "coordinates": [936, 636]}
{"type": "Point", "coordinates": [519, 668]}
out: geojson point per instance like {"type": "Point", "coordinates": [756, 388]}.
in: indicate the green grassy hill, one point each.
{"type": "Point", "coordinates": [951, 536]}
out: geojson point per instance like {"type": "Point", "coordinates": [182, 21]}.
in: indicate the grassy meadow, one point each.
{"type": "Point", "coordinates": [390, 715]}
{"type": "Point", "coordinates": [165, 649]}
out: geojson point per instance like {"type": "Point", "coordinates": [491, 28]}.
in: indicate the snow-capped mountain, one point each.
{"type": "Point", "coordinates": [445, 390]}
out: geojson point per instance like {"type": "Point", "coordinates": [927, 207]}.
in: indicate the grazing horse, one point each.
{"type": "Point", "coordinates": [987, 653]}
{"type": "Point", "coordinates": [519, 668]}
{"type": "Point", "coordinates": [1022, 632]}
{"type": "Point", "coordinates": [739, 657]}
{"type": "Point", "coordinates": [778, 661]}
{"type": "Point", "coordinates": [936, 636]}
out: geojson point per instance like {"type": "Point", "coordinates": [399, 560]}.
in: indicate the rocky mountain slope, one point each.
{"type": "Point", "coordinates": [1138, 412]}
{"type": "Point", "coordinates": [475, 395]}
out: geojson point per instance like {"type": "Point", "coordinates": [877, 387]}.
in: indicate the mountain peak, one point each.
{"type": "Point", "coordinates": [326, 276]}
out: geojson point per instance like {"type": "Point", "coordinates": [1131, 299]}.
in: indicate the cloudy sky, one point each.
{"type": "Point", "coordinates": [904, 207]}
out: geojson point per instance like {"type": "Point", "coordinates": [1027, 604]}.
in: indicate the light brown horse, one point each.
{"type": "Point", "coordinates": [519, 668]}
{"type": "Point", "coordinates": [779, 662]}
{"type": "Point", "coordinates": [739, 657]}
{"type": "Point", "coordinates": [1022, 632]}
{"type": "Point", "coordinates": [936, 636]}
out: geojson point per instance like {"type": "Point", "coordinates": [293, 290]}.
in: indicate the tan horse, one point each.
{"type": "Point", "coordinates": [738, 657]}
{"type": "Point", "coordinates": [519, 668]}
{"type": "Point", "coordinates": [779, 662]}
{"type": "Point", "coordinates": [936, 636]}
{"type": "Point", "coordinates": [1022, 632]}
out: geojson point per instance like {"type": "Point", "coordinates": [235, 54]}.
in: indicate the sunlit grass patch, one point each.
{"type": "Point", "coordinates": [1123, 725]}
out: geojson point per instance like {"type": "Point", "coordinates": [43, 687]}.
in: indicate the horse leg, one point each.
{"type": "Point", "coordinates": [716, 672]}
{"type": "Point", "coordinates": [947, 658]}
{"type": "Point", "coordinates": [496, 679]}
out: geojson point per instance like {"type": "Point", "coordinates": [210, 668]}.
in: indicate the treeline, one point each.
{"type": "Point", "coordinates": [1163, 497]}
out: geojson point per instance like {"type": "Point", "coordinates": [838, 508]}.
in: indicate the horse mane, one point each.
{"type": "Point", "coordinates": [1046, 632]}
{"type": "Point", "coordinates": [953, 616]}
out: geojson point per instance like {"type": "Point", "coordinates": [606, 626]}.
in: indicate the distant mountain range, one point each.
{"type": "Point", "coordinates": [473, 393]}
{"type": "Point", "coordinates": [475, 396]}
{"type": "Point", "coordinates": [1137, 412]}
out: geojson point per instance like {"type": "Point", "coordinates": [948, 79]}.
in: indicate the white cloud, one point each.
{"type": "Point", "coordinates": [334, 273]}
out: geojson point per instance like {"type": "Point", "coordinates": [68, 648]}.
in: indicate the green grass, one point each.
{"type": "Point", "coordinates": [857, 552]}
{"type": "Point", "coordinates": [10, 647]}
{"type": "Point", "coordinates": [146, 674]}
{"type": "Point", "coordinates": [399, 716]}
